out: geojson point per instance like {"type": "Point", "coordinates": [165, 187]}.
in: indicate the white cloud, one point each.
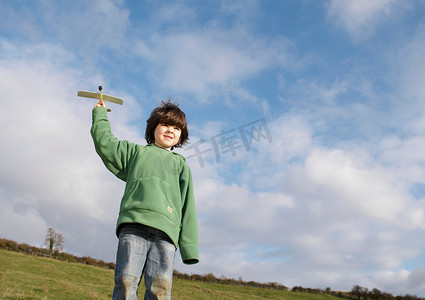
{"type": "Point", "coordinates": [363, 187]}
{"type": "Point", "coordinates": [85, 26]}
{"type": "Point", "coordinates": [210, 61]}
{"type": "Point", "coordinates": [416, 280]}
{"type": "Point", "coordinates": [405, 156]}
{"type": "Point", "coordinates": [408, 74]}
{"type": "Point", "coordinates": [18, 222]}
{"type": "Point", "coordinates": [361, 17]}
{"type": "Point", "coordinates": [359, 214]}
{"type": "Point", "coordinates": [265, 165]}
{"type": "Point", "coordinates": [336, 210]}
{"type": "Point", "coordinates": [401, 282]}
{"type": "Point", "coordinates": [332, 209]}
{"type": "Point", "coordinates": [51, 175]}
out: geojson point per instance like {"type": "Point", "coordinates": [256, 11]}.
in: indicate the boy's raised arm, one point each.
{"type": "Point", "coordinates": [114, 153]}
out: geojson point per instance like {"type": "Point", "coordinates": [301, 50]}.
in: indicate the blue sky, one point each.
{"type": "Point", "coordinates": [326, 190]}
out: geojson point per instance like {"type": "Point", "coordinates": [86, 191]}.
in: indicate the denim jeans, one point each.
{"type": "Point", "coordinates": [143, 250]}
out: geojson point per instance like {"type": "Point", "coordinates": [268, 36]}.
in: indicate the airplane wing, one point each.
{"type": "Point", "coordinates": [97, 96]}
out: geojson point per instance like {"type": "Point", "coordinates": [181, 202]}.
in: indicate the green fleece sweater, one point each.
{"type": "Point", "coordinates": [158, 191]}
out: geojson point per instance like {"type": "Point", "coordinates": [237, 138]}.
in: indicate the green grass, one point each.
{"type": "Point", "coordinates": [31, 277]}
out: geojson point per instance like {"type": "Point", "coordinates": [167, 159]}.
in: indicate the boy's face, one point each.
{"type": "Point", "coordinates": [166, 136]}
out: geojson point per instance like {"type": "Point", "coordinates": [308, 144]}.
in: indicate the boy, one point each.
{"type": "Point", "coordinates": [157, 212]}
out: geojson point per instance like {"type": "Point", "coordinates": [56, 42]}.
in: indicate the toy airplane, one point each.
{"type": "Point", "coordinates": [100, 96]}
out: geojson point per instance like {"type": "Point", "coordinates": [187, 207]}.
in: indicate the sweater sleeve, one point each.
{"type": "Point", "coordinates": [188, 241]}
{"type": "Point", "coordinates": [115, 154]}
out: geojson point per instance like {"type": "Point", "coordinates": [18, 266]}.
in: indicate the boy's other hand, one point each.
{"type": "Point", "coordinates": [102, 104]}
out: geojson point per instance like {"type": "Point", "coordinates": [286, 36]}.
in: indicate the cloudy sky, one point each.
{"type": "Point", "coordinates": [306, 119]}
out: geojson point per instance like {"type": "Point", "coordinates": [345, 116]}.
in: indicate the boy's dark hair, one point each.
{"type": "Point", "coordinates": [170, 114]}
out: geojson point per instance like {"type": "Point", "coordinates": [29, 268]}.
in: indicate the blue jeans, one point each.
{"type": "Point", "coordinates": [143, 250]}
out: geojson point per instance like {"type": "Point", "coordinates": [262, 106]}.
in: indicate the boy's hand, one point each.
{"type": "Point", "coordinates": [100, 104]}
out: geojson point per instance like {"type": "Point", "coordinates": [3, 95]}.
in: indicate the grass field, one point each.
{"type": "Point", "coordinates": [31, 277]}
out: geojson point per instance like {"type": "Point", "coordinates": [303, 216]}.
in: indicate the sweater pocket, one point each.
{"type": "Point", "coordinates": [151, 194]}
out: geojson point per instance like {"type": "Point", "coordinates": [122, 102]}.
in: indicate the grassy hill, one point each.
{"type": "Point", "coordinates": [31, 277]}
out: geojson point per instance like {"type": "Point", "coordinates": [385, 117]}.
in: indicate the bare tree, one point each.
{"type": "Point", "coordinates": [376, 294]}
{"type": "Point", "coordinates": [54, 241]}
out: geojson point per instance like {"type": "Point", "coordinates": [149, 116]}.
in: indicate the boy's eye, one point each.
{"type": "Point", "coordinates": [174, 127]}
